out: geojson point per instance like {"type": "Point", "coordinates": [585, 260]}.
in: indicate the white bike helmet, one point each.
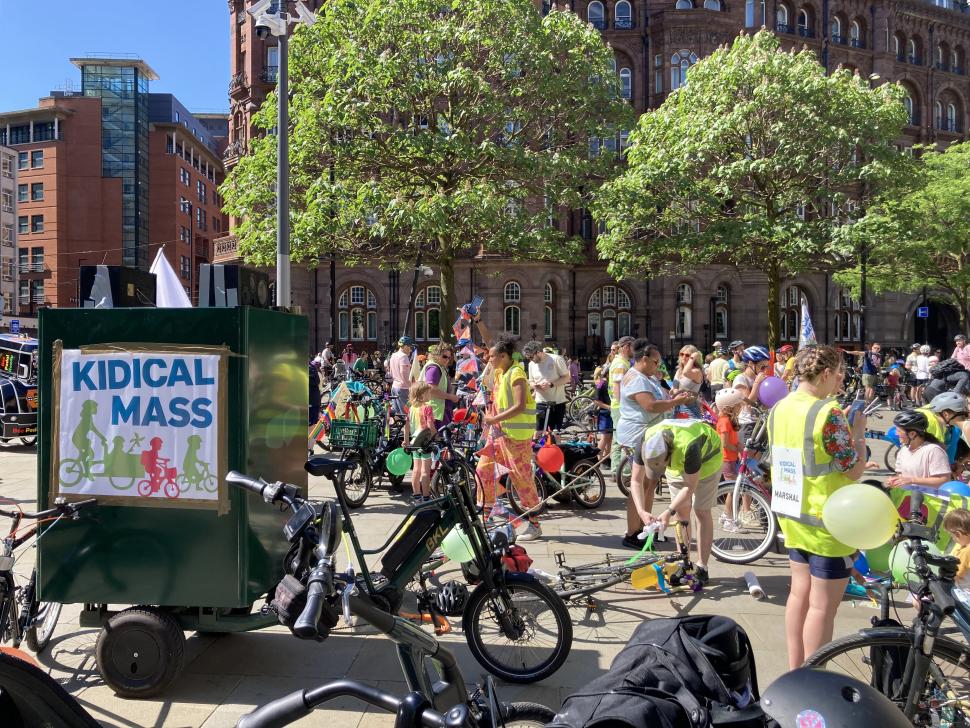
{"type": "Point", "coordinates": [925, 349]}
{"type": "Point", "coordinates": [949, 401]}
{"type": "Point", "coordinates": [728, 397]}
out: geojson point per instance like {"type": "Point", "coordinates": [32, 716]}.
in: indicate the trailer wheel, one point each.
{"type": "Point", "coordinates": [140, 652]}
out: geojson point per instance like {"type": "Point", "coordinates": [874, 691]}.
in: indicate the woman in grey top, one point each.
{"type": "Point", "coordinates": [643, 403]}
{"type": "Point", "coordinates": [689, 378]}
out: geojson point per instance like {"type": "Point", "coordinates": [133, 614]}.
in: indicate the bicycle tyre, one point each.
{"type": "Point", "coordinates": [525, 715]}
{"type": "Point", "coordinates": [730, 547]}
{"type": "Point", "coordinates": [890, 459]}
{"type": "Point", "coordinates": [70, 472]}
{"type": "Point", "coordinates": [515, 502]}
{"type": "Point", "coordinates": [144, 488]}
{"type": "Point", "coordinates": [579, 407]}
{"type": "Point", "coordinates": [945, 650]}
{"type": "Point", "coordinates": [479, 612]}
{"type": "Point", "coordinates": [45, 616]}
{"type": "Point", "coordinates": [357, 481]}
{"type": "Point", "coordinates": [461, 473]}
{"type": "Point", "coordinates": [626, 476]}
{"type": "Point", "coordinates": [593, 492]}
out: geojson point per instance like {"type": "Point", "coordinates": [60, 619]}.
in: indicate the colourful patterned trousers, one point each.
{"type": "Point", "coordinates": [516, 456]}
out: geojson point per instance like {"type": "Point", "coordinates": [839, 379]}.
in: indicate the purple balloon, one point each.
{"type": "Point", "coordinates": [772, 391]}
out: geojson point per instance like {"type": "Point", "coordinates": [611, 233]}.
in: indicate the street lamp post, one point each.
{"type": "Point", "coordinates": [272, 19]}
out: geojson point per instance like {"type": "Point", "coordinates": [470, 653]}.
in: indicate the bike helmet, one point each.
{"type": "Point", "coordinates": [451, 598]}
{"type": "Point", "coordinates": [925, 349]}
{"type": "Point", "coordinates": [786, 348]}
{"type": "Point", "coordinates": [915, 347]}
{"type": "Point", "coordinates": [735, 344]}
{"type": "Point", "coordinates": [812, 697]}
{"type": "Point", "coordinates": [755, 354]}
{"type": "Point", "coordinates": [949, 401]}
{"type": "Point", "coordinates": [405, 341]}
{"type": "Point", "coordinates": [728, 397]}
{"type": "Point", "coordinates": [912, 421]}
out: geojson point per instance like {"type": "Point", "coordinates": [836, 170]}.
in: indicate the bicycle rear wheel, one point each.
{"type": "Point", "coordinates": [580, 407]}
{"type": "Point", "coordinates": [357, 481]}
{"type": "Point", "coordinates": [890, 459]}
{"type": "Point", "coordinates": [45, 615]}
{"type": "Point", "coordinates": [743, 531]}
{"type": "Point", "coordinates": [586, 482]}
{"type": "Point", "coordinates": [878, 658]}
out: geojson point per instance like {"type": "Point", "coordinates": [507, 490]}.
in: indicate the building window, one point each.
{"type": "Point", "coordinates": [36, 223]}
{"type": "Point", "coordinates": [847, 318]}
{"type": "Point", "coordinates": [626, 83]}
{"type": "Point", "coordinates": [684, 313]}
{"type": "Point", "coordinates": [912, 52]}
{"type": "Point", "coordinates": [910, 110]}
{"type": "Point", "coordinates": [513, 292]}
{"type": "Point", "coordinates": [23, 224]}
{"type": "Point", "coordinates": [658, 73]}
{"type": "Point", "coordinates": [36, 191]}
{"type": "Point", "coordinates": [721, 305]}
{"type": "Point", "coordinates": [951, 117]}
{"type": "Point", "coordinates": [791, 313]}
{"type": "Point", "coordinates": [685, 5]}
{"type": "Point", "coordinates": [596, 15]}
{"type": "Point", "coordinates": [855, 35]}
{"type": "Point", "coordinates": [200, 218]}
{"type": "Point", "coordinates": [356, 315]}
{"type": "Point", "coordinates": [183, 234]}
{"type": "Point", "coordinates": [781, 19]}
{"type": "Point", "coordinates": [185, 207]}
{"type": "Point", "coordinates": [712, 5]}
{"type": "Point", "coordinates": [6, 235]}
{"type": "Point", "coordinates": [6, 164]}
{"type": "Point", "coordinates": [22, 196]}
{"type": "Point", "coordinates": [184, 176]}
{"type": "Point", "coordinates": [200, 188]}
{"type": "Point", "coordinates": [748, 13]}
{"type": "Point", "coordinates": [22, 160]}
{"type": "Point", "coordinates": [603, 318]}
{"type": "Point", "coordinates": [680, 63]}
{"type": "Point", "coordinates": [427, 314]}
{"type": "Point", "coordinates": [184, 267]}
{"type": "Point", "coordinates": [806, 26]}
{"type": "Point", "coordinates": [37, 159]}
{"type": "Point", "coordinates": [623, 15]}
{"type": "Point", "coordinates": [512, 316]}
{"type": "Point", "coordinates": [547, 322]}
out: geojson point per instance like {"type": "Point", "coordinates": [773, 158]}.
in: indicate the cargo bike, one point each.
{"type": "Point", "coordinates": [18, 389]}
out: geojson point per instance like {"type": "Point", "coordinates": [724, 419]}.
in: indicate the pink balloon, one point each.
{"type": "Point", "coordinates": [772, 391]}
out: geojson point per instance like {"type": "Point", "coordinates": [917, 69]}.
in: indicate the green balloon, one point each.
{"type": "Point", "coordinates": [878, 558]}
{"type": "Point", "coordinates": [900, 561]}
{"type": "Point", "coordinates": [398, 461]}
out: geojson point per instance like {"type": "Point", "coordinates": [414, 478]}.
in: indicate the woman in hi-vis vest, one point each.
{"type": "Point", "coordinates": [509, 427]}
{"type": "Point", "coordinates": [814, 452]}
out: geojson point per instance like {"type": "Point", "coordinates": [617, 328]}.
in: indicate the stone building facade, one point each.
{"type": "Point", "coordinates": [923, 44]}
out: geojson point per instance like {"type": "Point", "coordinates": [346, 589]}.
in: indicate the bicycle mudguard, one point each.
{"type": "Point", "coordinates": [888, 631]}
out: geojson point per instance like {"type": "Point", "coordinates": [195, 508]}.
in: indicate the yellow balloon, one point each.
{"type": "Point", "coordinates": [860, 516]}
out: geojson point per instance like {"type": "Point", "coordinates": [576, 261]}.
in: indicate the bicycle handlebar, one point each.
{"type": "Point", "coordinates": [319, 588]}
{"type": "Point", "coordinates": [60, 507]}
{"type": "Point", "coordinates": [270, 492]}
{"type": "Point", "coordinates": [285, 710]}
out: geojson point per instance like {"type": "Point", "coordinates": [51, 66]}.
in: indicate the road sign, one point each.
{"type": "Point", "coordinates": [923, 312]}
{"type": "Point", "coordinates": [14, 326]}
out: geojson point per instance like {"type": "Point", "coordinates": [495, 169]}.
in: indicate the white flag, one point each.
{"type": "Point", "coordinates": [806, 336]}
{"type": "Point", "coordinates": [169, 292]}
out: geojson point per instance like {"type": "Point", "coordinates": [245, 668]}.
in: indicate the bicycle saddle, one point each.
{"type": "Point", "coordinates": [327, 467]}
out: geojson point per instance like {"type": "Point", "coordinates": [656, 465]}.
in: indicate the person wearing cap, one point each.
{"type": "Point", "coordinates": [618, 367]}
{"type": "Point", "coordinates": [961, 352]}
{"type": "Point", "coordinates": [736, 348]}
{"type": "Point", "coordinates": [689, 453]}
{"type": "Point", "coordinates": [548, 377]}
{"type": "Point", "coordinates": [399, 367]}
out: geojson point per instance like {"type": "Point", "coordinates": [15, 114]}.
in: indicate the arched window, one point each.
{"type": "Point", "coordinates": [855, 35]}
{"type": "Point", "coordinates": [899, 46]}
{"type": "Point", "coordinates": [791, 313]}
{"type": "Point", "coordinates": [609, 314]}
{"type": "Point", "coordinates": [623, 15]}
{"type": "Point", "coordinates": [781, 19]}
{"type": "Point", "coordinates": [685, 294]}
{"type": "Point", "coordinates": [847, 317]}
{"type": "Point", "coordinates": [910, 109]}
{"type": "Point", "coordinates": [427, 314]}
{"type": "Point", "coordinates": [836, 28]}
{"type": "Point", "coordinates": [684, 314]}
{"type": "Point", "coordinates": [596, 15]}
{"type": "Point", "coordinates": [721, 307]}
{"type": "Point", "coordinates": [547, 299]}
{"type": "Point", "coordinates": [512, 315]}
{"type": "Point", "coordinates": [913, 51]}
{"type": "Point", "coordinates": [806, 23]}
{"type": "Point", "coordinates": [951, 117]}
{"type": "Point", "coordinates": [680, 63]}
{"type": "Point", "coordinates": [941, 55]}
{"type": "Point", "coordinates": [626, 83]}
{"type": "Point", "coordinates": [685, 5]}
{"type": "Point", "coordinates": [938, 115]}
{"type": "Point", "coordinates": [513, 292]}
{"type": "Point", "coordinates": [712, 5]}
{"type": "Point", "coordinates": [357, 314]}
{"type": "Point", "coordinates": [956, 60]}
{"type": "Point", "coordinates": [749, 13]}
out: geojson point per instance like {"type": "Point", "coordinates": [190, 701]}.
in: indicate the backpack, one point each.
{"type": "Point", "coordinates": [945, 368]}
{"type": "Point", "coordinates": [684, 672]}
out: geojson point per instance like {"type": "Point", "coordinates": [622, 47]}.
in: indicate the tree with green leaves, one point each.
{"type": "Point", "coordinates": [917, 233]}
{"type": "Point", "coordinates": [433, 129]}
{"type": "Point", "coordinates": [745, 164]}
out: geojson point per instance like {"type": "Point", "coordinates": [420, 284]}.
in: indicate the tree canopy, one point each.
{"type": "Point", "coordinates": [436, 128]}
{"type": "Point", "coordinates": [755, 161]}
{"type": "Point", "coordinates": [917, 233]}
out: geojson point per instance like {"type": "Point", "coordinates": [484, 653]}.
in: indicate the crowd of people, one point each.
{"type": "Point", "coordinates": [688, 423]}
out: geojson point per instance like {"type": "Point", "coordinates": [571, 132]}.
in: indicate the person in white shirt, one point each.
{"type": "Point", "coordinates": [548, 377]}
{"type": "Point", "coordinates": [921, 460]}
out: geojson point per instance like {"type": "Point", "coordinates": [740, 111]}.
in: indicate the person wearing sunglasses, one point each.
{"type": "Point", "coordinates": [435, 373]}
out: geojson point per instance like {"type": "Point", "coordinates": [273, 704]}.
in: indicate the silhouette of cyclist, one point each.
{"type": "Point", "coordinates": [152, 461]}
{"type": "Point", "coordinates": [80, 439]}
{"type": "Point", "coordinates": [191, 469]}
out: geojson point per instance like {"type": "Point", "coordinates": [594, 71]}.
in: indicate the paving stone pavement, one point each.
{"type": "Point", "coordinates": [225, 676]}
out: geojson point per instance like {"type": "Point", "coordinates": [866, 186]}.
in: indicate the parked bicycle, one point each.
{"type": "Point", "coordinates": [916, 667]}
{"type": "Point", "coordinates": [515, 626]}
{"type": "Point", "coordinates": [22, 617]}
{"type": "Point", "coordinates": [311, 596]}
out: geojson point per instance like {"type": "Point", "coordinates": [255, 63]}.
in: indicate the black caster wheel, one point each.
{"type": "Point", "coordinates": [140, 652]}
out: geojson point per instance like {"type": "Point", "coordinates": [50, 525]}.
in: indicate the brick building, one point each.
{"type": "Point", "coordinates": [920, 43]}
{"type": "Point", "coordinates": [101, 180]}
{"type": "Point", "coordinates": [8, 234]}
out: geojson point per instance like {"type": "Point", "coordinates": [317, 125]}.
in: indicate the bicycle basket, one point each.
{"type": "Point", "coordinates": [345, 434]}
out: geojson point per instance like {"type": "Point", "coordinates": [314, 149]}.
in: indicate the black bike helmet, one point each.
{"type": "Point", "coordinates": [808, 697]}
{"type": "Point", "coordinates": [912, 421]}
{"type": "Point", "coordinates": [451, 598]}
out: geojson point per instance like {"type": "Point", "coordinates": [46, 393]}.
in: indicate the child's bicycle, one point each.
{"type": "Point", "coordinates": [162, 478]}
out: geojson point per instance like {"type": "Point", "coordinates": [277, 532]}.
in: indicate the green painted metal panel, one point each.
{"type": "Point", "coordinates": [172, 556]}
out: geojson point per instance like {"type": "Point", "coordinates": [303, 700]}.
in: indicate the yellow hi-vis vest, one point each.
{"type": "Point", "coordinates": [797, 422]}
{"type": "Point", "coordinates": [685, 432]}
{"type": "Point", "coordinates": [523, 425]}
{"type": "Point", "coordinates": [437, 405]}
{"type": "Point", "coordinates": [934, 426]}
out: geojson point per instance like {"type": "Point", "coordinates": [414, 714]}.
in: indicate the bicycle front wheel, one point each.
{"type": "Point", "coordinates": [878, 657]}
{"type": "Point", "coordinates": [39, 633]}
{"type": "Point", "coordinates": [537, 633]}
{"type": "Point", "coordinates": [744, 527]}
{"type": "Point", "coordinates": [579, 407]}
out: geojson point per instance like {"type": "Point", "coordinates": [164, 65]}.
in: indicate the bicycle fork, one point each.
{"type": "Point", "coordinates": [918, 666]}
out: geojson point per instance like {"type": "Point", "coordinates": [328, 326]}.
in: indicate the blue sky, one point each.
{"type": "Point", "coordinates": [185, 41]}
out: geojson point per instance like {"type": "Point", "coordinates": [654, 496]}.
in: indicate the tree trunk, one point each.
{"type": "Point", "coordinates": [449, 301]}
{"type": "Point", "coordinates": [774, 311]}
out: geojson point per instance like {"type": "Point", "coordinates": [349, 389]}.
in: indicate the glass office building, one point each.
{"type": "Point", "coordinates": [122, 86]}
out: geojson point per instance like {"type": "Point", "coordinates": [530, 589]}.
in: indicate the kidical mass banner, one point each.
{"type": "Point", "coordinates": [143, 424]}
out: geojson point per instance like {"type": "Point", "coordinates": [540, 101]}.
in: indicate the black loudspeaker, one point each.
{"type": "Point", "coordinates": [222, 286]}
{"type": "Point", "coordinates": [116, 286]}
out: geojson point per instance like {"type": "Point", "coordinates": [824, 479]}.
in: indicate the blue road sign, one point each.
{"type": "Point", "coordinates": [14, 326]}
{"type": "Point", "coordinates": [923, 312]}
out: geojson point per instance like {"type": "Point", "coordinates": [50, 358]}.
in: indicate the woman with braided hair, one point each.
{"type": "Point", "coordinates": [814, 452]}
